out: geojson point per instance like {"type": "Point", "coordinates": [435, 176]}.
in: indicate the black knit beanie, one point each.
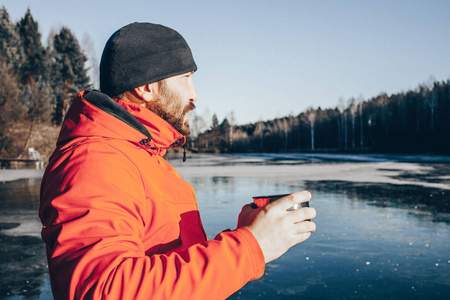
{"type": "Point", "coordinates": [142, 53]}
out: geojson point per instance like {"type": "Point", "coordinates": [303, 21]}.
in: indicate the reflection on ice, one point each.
{"type": "Point", "coordinates": [23, 266]}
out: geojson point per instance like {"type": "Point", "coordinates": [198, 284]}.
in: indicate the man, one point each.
{"type": "Point", "coordinates": [118, 220]}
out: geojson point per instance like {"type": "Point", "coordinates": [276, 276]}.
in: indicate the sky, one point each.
{"type": "Point", "coordinates": [266, 59]}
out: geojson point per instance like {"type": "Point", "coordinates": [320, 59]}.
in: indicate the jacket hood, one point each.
{"type": "Point", "coordinates": [94, 114]}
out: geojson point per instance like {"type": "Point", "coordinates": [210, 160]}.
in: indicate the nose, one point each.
{"type": "Point", "coordinates": [194, 95]}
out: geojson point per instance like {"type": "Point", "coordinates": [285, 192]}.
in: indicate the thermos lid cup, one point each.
{"type": "Point", "coordinates": [261, 201]}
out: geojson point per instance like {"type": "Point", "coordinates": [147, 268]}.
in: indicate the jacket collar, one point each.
{"type": "Point", "coordinates": [93, 113]}
{"type": "Point", "coordinates": [163, 135]}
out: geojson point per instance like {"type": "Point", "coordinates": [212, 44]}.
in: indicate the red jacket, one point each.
{"type": "Point", "coordinates": [120, 223]}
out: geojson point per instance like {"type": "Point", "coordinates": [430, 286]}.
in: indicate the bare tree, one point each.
{"type": "Point", "coordinates": [196, 124]}
{"type": "Point", "coordinates": [9, 86]}
{"type": "Point", "coordinates": [38, 108]}
{"type": "Point", "coordinates": [383, 101]}
{"type": "Point", "coordinates": [432, 101]}
{"type": "Point", "coordinates": [261, 129]}
{"type": "Point", "coordinates": [93, 64]}
{"type": "Point", "coordinates": [361, 129]}
{"type": "Point", "coordinates": [311, 115]}
{"type": "Point", "coordinates": [343, 114]}
{"type": "Point", "coordinates": [232, 121]}
{"type": "Point", "coordinates": [206, 115]}
{"type": "Point", "coordinates": [286, 131]}
{"type": "Point", "coordinates": [352, 107]}
{"type": "Point", "coordinates": [12, 108]}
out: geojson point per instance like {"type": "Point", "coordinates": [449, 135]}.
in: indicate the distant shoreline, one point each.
{"type": "Point", "coordinates": [423, 171]}
{"type": "Point", "coordinates": [415, 171]}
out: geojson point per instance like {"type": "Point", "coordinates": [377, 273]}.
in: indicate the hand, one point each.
{"type": "Point", "coordinates": [277, 229]}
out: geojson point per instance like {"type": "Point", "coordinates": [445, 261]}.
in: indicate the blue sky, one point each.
{"type": "Point", "coordinates": [267, 59]}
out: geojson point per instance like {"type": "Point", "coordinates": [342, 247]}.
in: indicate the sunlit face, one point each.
{"type": "Point", "coordinates": [176, 96]}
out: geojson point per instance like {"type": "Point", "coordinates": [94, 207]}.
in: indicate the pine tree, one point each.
{"type": "Point", "coordinates": [10, 44]}
{"type": "Point", "coordinates": [34, 73]}
{"type": "Point", "coordinates": [36, 64]}
{"type": "Point", "coordinates": [73, 76]}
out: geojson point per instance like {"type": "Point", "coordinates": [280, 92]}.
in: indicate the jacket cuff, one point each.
{"type": "Point", "coordinates": [254, 249]}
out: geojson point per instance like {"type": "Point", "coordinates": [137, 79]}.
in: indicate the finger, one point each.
{"type": "Point", "coordinates": [301, 214]}
{"type": "Point", "coordinates": [305, 227]}
{"type": "Point", "coordinates": [301, 237]}
{"type": "Point", "coordinates": [292, 199]}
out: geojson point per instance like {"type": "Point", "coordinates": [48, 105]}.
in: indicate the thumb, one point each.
{"type": "Point", "coordinates": [290, 200]}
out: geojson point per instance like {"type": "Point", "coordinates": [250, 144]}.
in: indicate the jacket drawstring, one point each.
{"type": "Point", "coordinates": [178, 143]}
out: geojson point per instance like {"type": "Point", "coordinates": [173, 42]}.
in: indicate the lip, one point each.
{"type": "Point", "coordinates": [187, 111]}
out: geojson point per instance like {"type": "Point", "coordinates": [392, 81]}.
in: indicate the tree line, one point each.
{"type": "Point", "coordinates": [416, 121]}
{"type": "Point", "coordinates": [37, 82]}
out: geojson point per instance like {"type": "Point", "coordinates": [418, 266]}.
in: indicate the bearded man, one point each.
{"type": "Point", "coordinates": [118, 221]}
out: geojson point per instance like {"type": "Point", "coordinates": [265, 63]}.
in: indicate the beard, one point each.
{"type": "Point", "coordinates": [169, 106]}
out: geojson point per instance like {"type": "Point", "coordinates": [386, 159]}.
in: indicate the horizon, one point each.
{"type": "Point", "coordinates": [264, 60]}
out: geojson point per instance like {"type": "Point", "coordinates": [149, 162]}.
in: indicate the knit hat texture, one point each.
{"type": "Point", "coordinates": [142, 53]}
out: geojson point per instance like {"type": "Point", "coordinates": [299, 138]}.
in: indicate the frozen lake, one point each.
{"type": "Point", "coordinates": [381, 234]}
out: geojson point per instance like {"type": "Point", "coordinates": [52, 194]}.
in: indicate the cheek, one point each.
{"type": "Point", "coordinates": [174, 103]}
{"type": "Point", "coordinates": [180, 105]}
{"type": "Point", "coordinates": [177, 100]}
{"type": "Point", "coordinates": [182, 102]}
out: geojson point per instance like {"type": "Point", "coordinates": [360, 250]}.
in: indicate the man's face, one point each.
{"type": "Point", "coordinates": [175, 99]}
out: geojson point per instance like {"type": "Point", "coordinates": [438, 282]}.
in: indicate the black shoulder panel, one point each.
{"type": "Point", "coordinates": [108, 105]}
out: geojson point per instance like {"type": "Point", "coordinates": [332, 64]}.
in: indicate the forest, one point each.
{"type": "Point", "coordinates": [410, 122]}
{"type": "Point", "coordinates": [38, 83]}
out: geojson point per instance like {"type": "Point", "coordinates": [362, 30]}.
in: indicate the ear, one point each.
{"type": "Point", "coordinates": [147, 92]}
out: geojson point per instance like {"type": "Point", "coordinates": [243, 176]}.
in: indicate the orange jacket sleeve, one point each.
{"type": "Point", "coordinates": [95, 213]}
